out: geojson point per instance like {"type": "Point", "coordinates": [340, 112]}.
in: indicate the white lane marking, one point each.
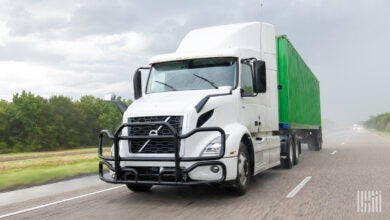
{"type": "Point", "coordinates": [298, 187]}
{"type": "Point", "coordinates": [334, 152]}
{"type": "Point", "coordinates": [58, 202]}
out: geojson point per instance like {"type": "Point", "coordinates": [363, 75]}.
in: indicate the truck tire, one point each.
{"type": "Point", "coordinates": [240, 185]}
{"type": "Point", "coordinates": [139, 187]}
{"type": "Point", "coordinates": [287, 163]}
{"type": "Point", "coordinates": [297, 146]}
{"type": "Point", "coordinates": [319, 144]}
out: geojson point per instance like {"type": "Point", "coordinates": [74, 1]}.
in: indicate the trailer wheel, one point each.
{"type": "Point", "coordinates": [240, 184]}
{"type": "Point", "coordinates": [138, 187]}
{"type": "Point", "coordinates": [297, 146]}
{"type": "Point", "coordinates": [287, 161]}
{"type": "Point", "coordinates": [319, 142]}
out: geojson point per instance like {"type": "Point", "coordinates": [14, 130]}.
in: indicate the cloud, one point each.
{"type": "Point", "coordinates": [3, 33]}
{"type": "Point", "coordinates": [24, 22]}
{"type": "Point", "coordinates": [103, 17]}
{"type": "Point", "coordinates": [47, 81]}
{"type": "Point", "coordinates": [78, 47]}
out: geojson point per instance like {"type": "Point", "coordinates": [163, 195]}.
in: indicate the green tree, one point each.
{"type": "Point", "coordinates": [28, 118]}
{"type": "Point", "coordinates": [380, 122]}
{"type": "Point", "coordinates": [32, 123]}
{"type": "Point", "coordinates": [3, 126]}
{"type": "Point", "coordinates": [65, 123]}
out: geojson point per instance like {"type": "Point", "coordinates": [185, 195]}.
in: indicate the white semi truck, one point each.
{"type": "Point", "coordinates": [209, 114]}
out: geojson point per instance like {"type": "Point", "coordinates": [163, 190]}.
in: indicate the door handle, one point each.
{"type": "Point", "coordinates": [260, 139]}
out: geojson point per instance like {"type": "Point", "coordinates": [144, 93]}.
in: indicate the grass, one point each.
{"type": "Point", "coordinates": [384, 134]}
{"type": "Point", "coordinates": [28, 169]}
{"type": "Point", "coordinates": [14, 156]}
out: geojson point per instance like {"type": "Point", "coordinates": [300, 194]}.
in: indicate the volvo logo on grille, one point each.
{"type": "Point", "coordinates": [153, 133]}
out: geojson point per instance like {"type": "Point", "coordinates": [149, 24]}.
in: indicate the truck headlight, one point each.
{"type": "Point", "coordinates": [214, 147]}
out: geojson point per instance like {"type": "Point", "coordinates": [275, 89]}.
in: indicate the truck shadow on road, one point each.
{"type": "Point", "coordinates": [185, 196]}
{"type": "Point", "coordinates": [262, 185]}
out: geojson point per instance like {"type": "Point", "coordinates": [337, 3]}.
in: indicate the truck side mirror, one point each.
{"type": "Point", "coordinates": [112, 98]}
{"type": "Point", "coordinates": [260, 77]}
{"type": "Point", "coordinates": [109, 97]}
{"type": "Point", "coordinates": [137, 84]}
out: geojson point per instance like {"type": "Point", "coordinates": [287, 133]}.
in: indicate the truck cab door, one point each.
{"type": "Point", "coordinates": [250, 113]}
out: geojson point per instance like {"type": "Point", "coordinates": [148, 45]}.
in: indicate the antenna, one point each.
{"type": "Point", "coordinates": [261, 7]}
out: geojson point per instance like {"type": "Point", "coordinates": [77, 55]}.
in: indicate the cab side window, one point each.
{"type": "Point", "coordinates": [246, 80]}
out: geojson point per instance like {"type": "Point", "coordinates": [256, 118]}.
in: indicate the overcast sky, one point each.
{"type": "Point", "coordinates": [77, 47]}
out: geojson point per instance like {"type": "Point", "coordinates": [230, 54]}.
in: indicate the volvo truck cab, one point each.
{"type": "Point", "coordinates": [207, 115]}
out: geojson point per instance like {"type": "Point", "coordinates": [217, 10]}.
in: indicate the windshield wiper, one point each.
{"type": "Point", "coordinates": [210, 82]}
{"type": "Point", "coordinates": [167, 85]}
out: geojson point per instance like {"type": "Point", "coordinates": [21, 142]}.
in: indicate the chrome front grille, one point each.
{"type": "Point", "coordinates": [158, 146]}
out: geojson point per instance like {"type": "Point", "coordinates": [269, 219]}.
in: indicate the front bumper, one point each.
{"type": "Point", "coordinates": [176, 175]}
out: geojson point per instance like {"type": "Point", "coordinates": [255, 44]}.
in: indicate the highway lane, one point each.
{"type": "Point", "coordinates": [350, 161]}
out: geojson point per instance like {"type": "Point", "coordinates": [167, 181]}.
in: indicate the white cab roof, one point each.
{"type": "Point", "coordinates": [223, 41]}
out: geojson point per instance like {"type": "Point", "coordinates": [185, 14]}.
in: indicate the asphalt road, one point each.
{"type": "Point", "coordinates": [350, 161]}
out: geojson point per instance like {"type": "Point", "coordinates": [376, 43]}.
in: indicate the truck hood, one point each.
{"type": "Point", "coordinates": [168, 103]}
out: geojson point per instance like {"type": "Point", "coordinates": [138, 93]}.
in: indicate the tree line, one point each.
{"type": "Point", "coordinates": [32, 123]}
{"type": "Point", "coordinates": [380, 122]}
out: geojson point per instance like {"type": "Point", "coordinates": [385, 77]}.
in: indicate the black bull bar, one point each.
{"type": "Point", "coordinates": [178, 172]}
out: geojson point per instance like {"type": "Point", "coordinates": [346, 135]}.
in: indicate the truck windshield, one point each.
{"type": "Point", "coordinates": [196, 74]}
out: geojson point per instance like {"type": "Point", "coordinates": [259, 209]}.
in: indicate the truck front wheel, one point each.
{"type": "Point", "coordinates": [138, 187]}
{"type": "Point", "coordinates": [241, 183]}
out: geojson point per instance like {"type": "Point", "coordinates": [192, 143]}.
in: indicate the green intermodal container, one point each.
{"type": "Point", "coordinates": [299, 89]}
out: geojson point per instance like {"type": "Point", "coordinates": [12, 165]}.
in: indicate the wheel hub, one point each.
{"type": "Point", "coordinates": [243, 168]}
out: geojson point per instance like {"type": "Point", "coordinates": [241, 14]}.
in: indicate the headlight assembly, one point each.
{"type": "Point", "coordinates": [214, 147]}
